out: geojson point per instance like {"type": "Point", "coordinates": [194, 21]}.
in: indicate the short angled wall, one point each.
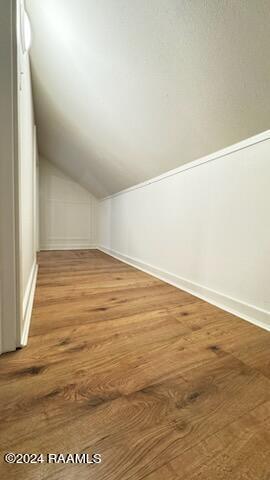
{"type": "Point", "coordinates": [203, 227]}
{"type": "Point", "coordinates": [67, 211]}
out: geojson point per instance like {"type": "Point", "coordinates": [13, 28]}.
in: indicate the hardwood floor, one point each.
{"type": "Point", "coordinates": [163, 385]}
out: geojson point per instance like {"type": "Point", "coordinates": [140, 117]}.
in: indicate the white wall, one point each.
{"type": "Point", "coordinates": [204, 227]}
{"type": "Point", "coordinates": [67, 211]}
{"type": "Point", "coordinates": [27, 179]}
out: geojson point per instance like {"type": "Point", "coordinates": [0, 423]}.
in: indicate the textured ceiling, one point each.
{"type": "Point", "coordinates": [125, 90]}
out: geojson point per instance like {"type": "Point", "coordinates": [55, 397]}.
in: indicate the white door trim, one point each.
{"type": "Point", "coordinates": [9, 215]}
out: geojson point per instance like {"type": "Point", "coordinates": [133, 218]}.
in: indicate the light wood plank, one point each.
{"type": "Point", "coordinates": [149, 376]}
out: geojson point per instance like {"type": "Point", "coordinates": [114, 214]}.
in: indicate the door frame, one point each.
{"type": "Point", "coordinates": [10, 304]}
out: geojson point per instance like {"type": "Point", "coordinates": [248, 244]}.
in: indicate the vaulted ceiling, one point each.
{"type": "Point", "coordinates": [127, 89]}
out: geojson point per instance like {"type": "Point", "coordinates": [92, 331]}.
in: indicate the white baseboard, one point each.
{"type": "Point", "coordinates": [248, 312]}
{"type": "Point", "coordinates": [70, 246]}
{"type": "Point", "coordinates": [28, 304]}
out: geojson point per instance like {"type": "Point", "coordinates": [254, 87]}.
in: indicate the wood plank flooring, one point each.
{"type": "Point", "coordinates": [163, 385]}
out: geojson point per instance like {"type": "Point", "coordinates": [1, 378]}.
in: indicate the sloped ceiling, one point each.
{"type": "Point", "coordinates": [127, 89]}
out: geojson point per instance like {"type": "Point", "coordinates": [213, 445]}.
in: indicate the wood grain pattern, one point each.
{"type": "Point", "coordinates": [160, 383]}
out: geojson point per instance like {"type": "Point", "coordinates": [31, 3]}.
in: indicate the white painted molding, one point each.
{"type": "Point", "coordinates": [248, 312]}
{"type": "Point", "coordinates": [69, 246]}
{"type": "Point", "coordinates": [260, 137]}
{"type": "Point", "coordinates": [28, 304]}
{"type": "Point", "coordinates": [9, 237]}
{"type": "Point", "coordinates": [67, 211]}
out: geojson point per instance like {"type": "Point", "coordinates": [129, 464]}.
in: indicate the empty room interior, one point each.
{"type": "Point", "coordinates": [135, 239]}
